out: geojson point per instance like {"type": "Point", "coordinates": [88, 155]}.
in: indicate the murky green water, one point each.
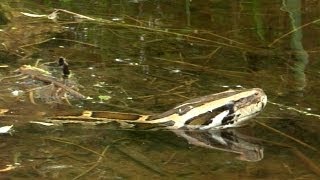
{"type": "Point", "coordinates": [148, 56]}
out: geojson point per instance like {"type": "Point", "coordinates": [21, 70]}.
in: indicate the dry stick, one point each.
{"type": "Point", "coordinates": [59, 39]}
{"type": "Point", "coordinates": [31, 97]}
{"type": "Point", "coordinates": [307, 161]}
{"type": "Point", "coordinates": [180, 95]}
{"type": "Point", "coordinates": [136, 20]}
{"type": "Point", "coordinates": [313, 51]}
{"type": "Point", "coordinates": [36, 43]}
{"type": "Point", "coordinates": [128, 108]}
{"type": "Point", "coordinates": [95, 165]}
{"type": "Point", "coordinates": [118, 35]}
{"type": "Point", "coordinates": [100, 158]}
{"type": "Point", "coordinates": [222, 37]}
{"type": "Point", "coordinates": [283, 134]}
{"type": "Point", "coordinates": [9, 77]}
{"type": "Point", "coordinates": [208, 56]}
{"type": "Point", "coordinates": [141, 160]}
{"type": "Point", "coordinates": [292, 31]}
{"type": "Point", "coordinates": [37, 73]}
{"type": "Point", "coordinates": [170, 158]}
{"type": "Point", "coordinates": [8, 168]}
{"type": "Point", "coordinates": [175, 88]}
{"type": "Point", "coordinates": [76, 14]}
{"type": "Point", "coordinates": [211, 54]}
{"type": "Point", "coordinates": [244, 47]}
{"type": "Point", "coordinates": [66, 88]}
{"type": "Point", "coordinates": [71, 143]}
{"type": "Point", "coordinates": [66, 99]}
{"type": "Point", "coordinates": [79, 42]}
{"type": "Point", "coordinates": [294, 109]}
{"type": "Point", "coordinates": [184, 35]}
{"type": "Point", "coordinates": [200, 31]}
{"type": "Point", "coordinates": [217, 71]}
{"type": "Point", "coordinates": [163, 94]}
{"type": "Point", "coordinates": [276, 117]}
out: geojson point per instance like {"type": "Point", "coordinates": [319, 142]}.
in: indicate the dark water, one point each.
{"type": "Point", "coordinates": [148, 56]}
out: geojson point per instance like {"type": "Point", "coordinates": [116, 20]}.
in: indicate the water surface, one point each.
{"type": "Point", "coordinates": [147, 57]}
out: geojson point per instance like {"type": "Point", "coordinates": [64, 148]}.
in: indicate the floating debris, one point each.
{"type": "Point", "coordinates": [6, 129]}
{"type": "Point", "coordinates": [17, 92]}
{"type": "Point", "coordinates": [33, 15]}
{"type": "Point", "coordinates": [42, 123]}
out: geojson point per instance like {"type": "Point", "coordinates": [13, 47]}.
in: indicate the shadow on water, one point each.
{"type": "Point", "coordinates": [146, 57]}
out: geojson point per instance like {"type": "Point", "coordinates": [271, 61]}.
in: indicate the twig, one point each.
{"type": "Point", "coordinates": [128, 108]}
{"type": "Point", "coordinates": [39, 74]}
{"type": "Point", "coordinates": [78, 42]}
{"type": "Point", "coordinates": [36, 43]}
{"type": "Point", "coordinates": [136, 20]}
{"type": "Point", "coordinates": [283, 134]}
{"type": "Point", "coordinates": [225, 38]}
{"type": "Point", "coordinates": [118, 35]}
{"type": "Point", "coordinates": [95, 165]}
{"type": "Point", "coordinates": [71, 143]}
{"type": "Point", "coordinates": [8, 168]}
{"type": "Point", "coordinates": [211, 54]}
{"type": "Point", "coordinates": [141, 160]}
{"type": "Point", "coordinates": [307, 161]}
{"type": "Point", "coordinates": [100, 158]}
{"type": "Point", "coordinates": [179, 34]}
{"type": "Point", "coordinates": [170, 158]}
{"type": "Point", "coordinates": [165, 31]}
{"type": "Point", "coordinates": [294, 109]}
{"type": "Point", "coordinates": [210, 33]}
{"type": "Point", "coordinates": [59, 39]}
{"type": "Point", "coordinates": [217, 71]}
{"type": "Point", "coordinates": [292, 31]}
{"type": "Point", "coordinates": [76, 14]}
{"type": "Point", "coordinates": [9, 77]}
{"type": "Point", "coordinates": [31, 97]}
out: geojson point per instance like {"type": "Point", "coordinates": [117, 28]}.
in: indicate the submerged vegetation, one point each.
{"type": "Point", "coordinates": [146, 57]}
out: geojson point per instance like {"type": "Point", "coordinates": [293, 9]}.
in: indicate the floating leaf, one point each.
{"type": "Point", "coordinates": [104, 97]}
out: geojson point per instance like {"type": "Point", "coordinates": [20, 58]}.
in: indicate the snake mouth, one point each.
{"type": "Point", "coordinates": [264, 101]}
